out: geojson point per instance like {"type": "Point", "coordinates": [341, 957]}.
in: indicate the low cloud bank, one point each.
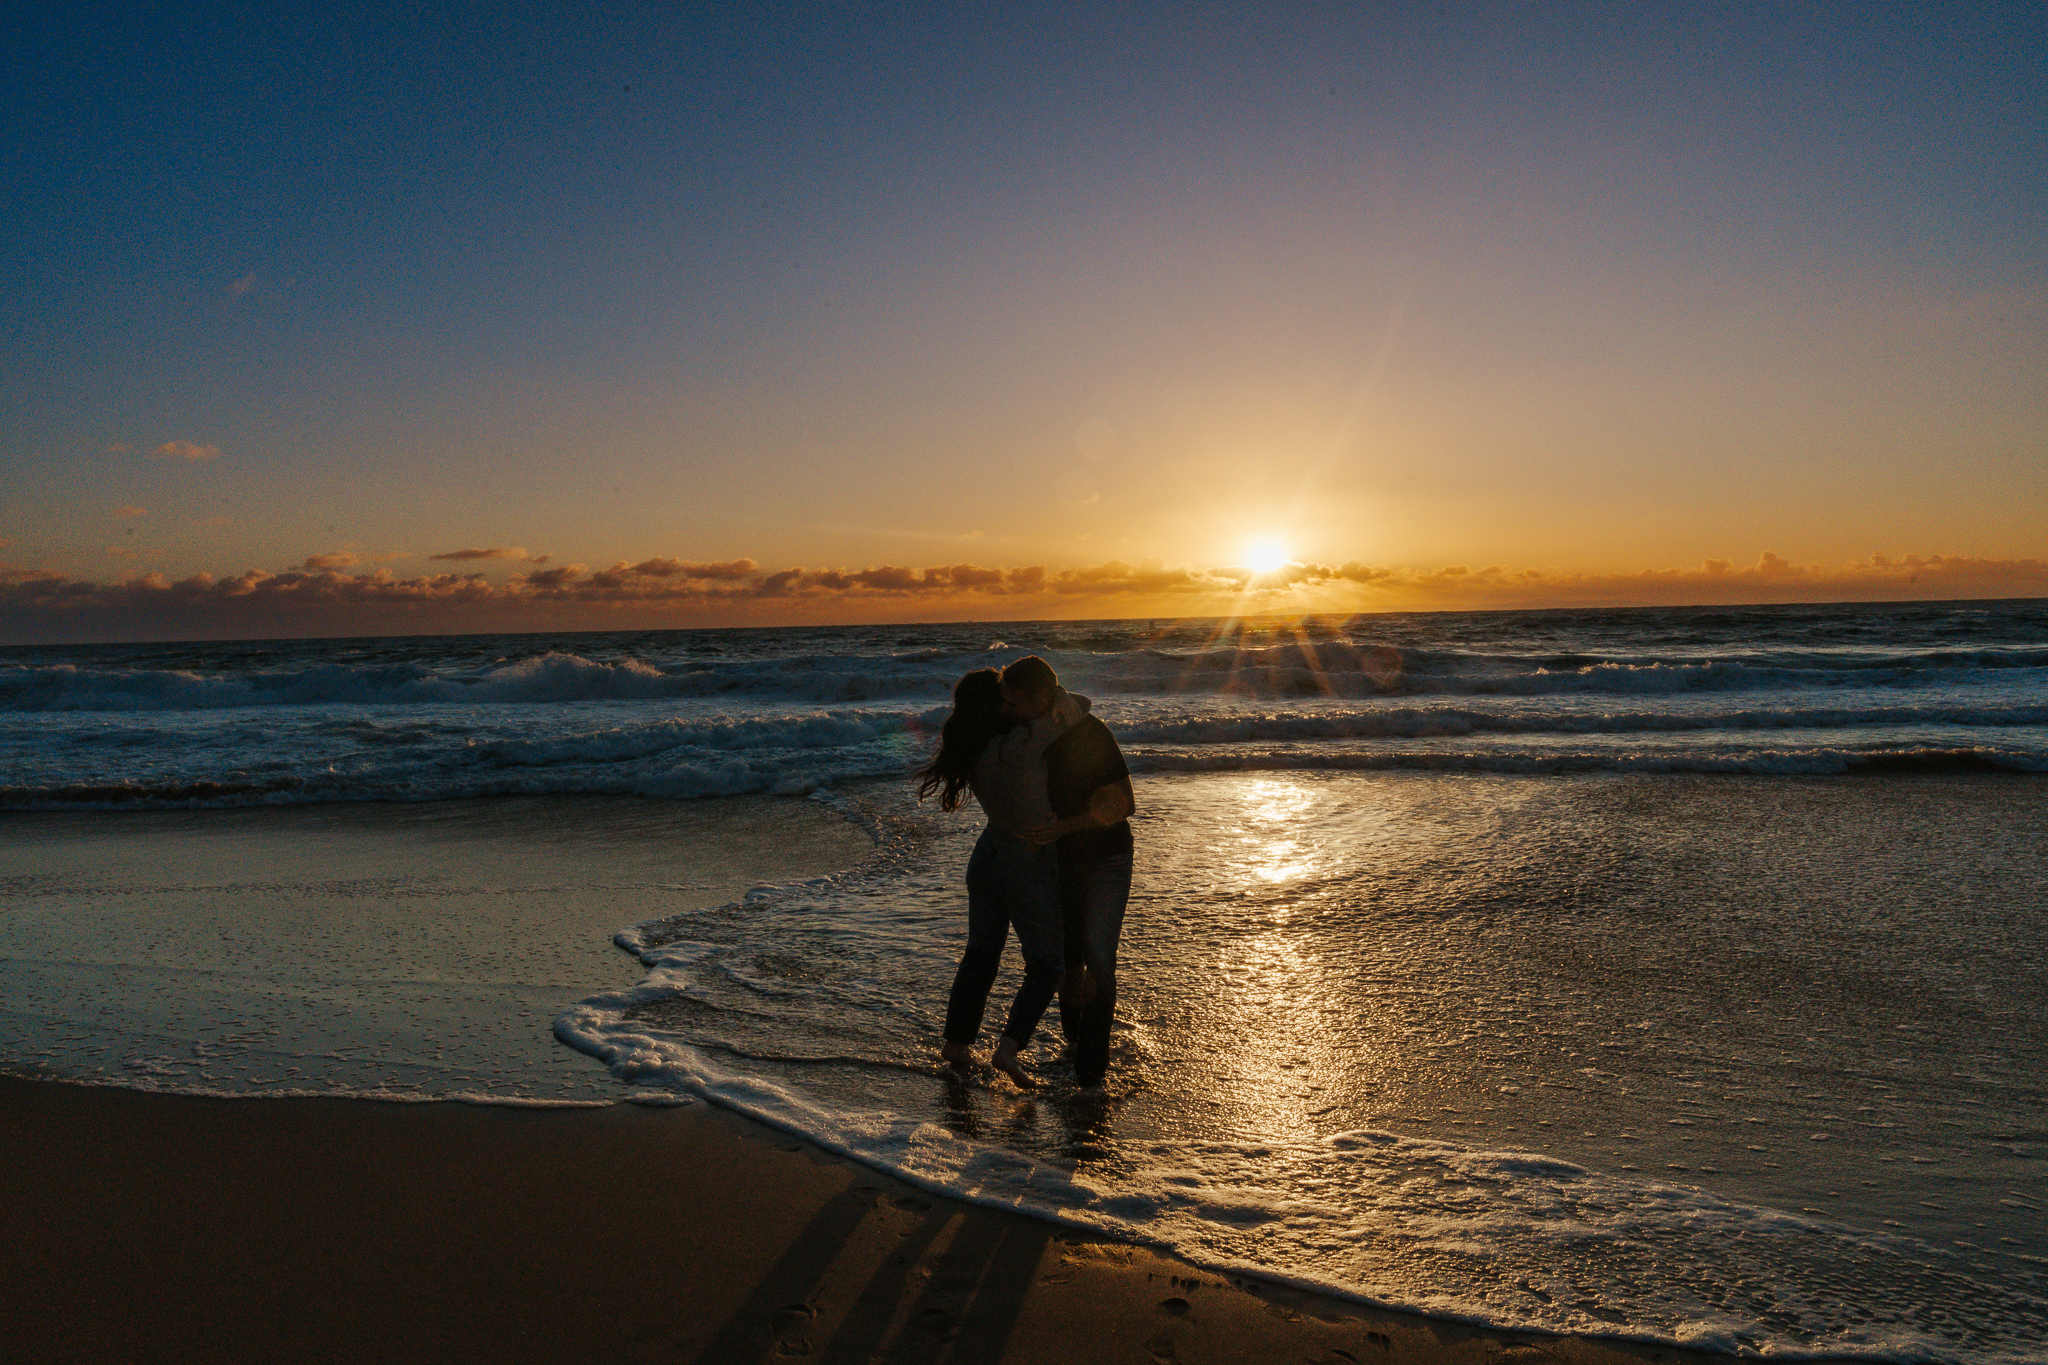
{"type": "Point", "coordinates": [318, 599]}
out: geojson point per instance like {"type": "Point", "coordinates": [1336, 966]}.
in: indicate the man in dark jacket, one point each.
{"type": "Point", "coordinates": [1090, 788]}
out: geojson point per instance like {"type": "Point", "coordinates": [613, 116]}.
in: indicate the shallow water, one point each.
{"type": "Point", "coordinates": [402, 952]}
{"type": "Point", "coordinates": [1726, 1061]}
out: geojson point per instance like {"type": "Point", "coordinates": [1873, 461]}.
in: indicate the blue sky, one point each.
{"type": "Point", "coordinates": [1585, 290]}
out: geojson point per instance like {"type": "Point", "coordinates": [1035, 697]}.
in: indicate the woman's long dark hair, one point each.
{"type": "Point", "coordinates": [977, 718]}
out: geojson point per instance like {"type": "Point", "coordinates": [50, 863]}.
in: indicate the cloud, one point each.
{"type": "Point", "coordinates": [1116, 578]}
{"type": "Point", "coordinates": [1771, 578]}
{"type": "Point", "coordinates": [189, 451]}
{"type": "Point", "coordinates": [130, 513]}
{"type": "Point", "coordinates": [551, 580]}
{"type": "Point", "coordinates": [894, 580]}
{"type": "Point", "coordinates": [316, 598]}
{"type": "Point", "coordinates": [120, 448]}
{"type": "Point", "coordinates": [973, 576]}
{"type": "Point", "coordinates": [243, 285]}
{"type": "Point", "coordinates": [495, 552]}
{"type": "Point", "coordinates": [624, 575]}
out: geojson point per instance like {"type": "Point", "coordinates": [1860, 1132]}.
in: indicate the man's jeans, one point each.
{"type": "Point", "coordinates": [1009, 884]}
{"type": "Point", "coordinates": [1094, 895]}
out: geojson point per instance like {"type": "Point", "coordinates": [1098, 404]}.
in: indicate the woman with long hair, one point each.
{"type": "Point", "coordinates": [977, 718]}
{"type": "Point", "coordinates": [1012, 875]}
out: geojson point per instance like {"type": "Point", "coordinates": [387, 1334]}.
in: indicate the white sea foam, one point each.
{"type": "Point", "coordinates": [687, 750]}
{"type": "Point", "coordinates": [1338, 668]}
{"type": "Point", "coordinates": [1409, 722]}
{"type": "Point", "coordinates": [545, 678]}
{"type": "Point", "coordinates": [1422, 913]}
{"type": "Point", "coordinates": [1391, 1220]}
{"type": "Point", "coordinates": [696, 714]}
{"type": "Point", "coordinates": [1815, 761]}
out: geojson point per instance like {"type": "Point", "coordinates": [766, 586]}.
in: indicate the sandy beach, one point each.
{"type": "Point", "coordinates": [370, 956]}
{"type": "Point", "coordinates": [145, 1227]}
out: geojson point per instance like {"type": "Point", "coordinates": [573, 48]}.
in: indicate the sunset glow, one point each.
{"type": "Point", "coordinates": [550, 327]}
{"type": "Point", "coordinates": [1265, 557]}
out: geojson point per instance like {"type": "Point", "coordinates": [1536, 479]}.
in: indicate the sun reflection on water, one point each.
{"type": "Point", "coordinates": [1272, 835]}
{"type": "Point", "coordinates": [1297, 1044]}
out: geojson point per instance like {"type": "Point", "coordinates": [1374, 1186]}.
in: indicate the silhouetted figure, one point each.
{"type": "Point", "coordinates": [1089, 786]}
{"type": "Point", "coordinates": [1013, 873]}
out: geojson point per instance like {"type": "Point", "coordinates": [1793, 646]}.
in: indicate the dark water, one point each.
{"type": "Point", "coordinates": [1791, 690]}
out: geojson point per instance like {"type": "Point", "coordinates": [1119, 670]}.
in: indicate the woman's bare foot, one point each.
{"type": "Point", "coordinates": [1005, 1061]}
{"type": "Point", "coordinates": [959, 1056]}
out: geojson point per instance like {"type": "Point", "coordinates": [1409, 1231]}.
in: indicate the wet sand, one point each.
{"type": "Point", "coordinates": [418, 948]}
{"type": "Point", "coordinates": [151, 1227]}
{"type": "Point", "coordinates": [148, 1227]}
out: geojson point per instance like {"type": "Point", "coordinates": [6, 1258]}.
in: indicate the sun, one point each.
{"type": "Point", "coordinates": [1266, 556]}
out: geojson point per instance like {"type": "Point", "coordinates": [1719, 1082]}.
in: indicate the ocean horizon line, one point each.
{"type": "Point", "coordinates": [1275, 617]}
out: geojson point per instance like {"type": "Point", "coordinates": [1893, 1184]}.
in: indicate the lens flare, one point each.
{"type": "Point", "coordinates": [1266, 556]}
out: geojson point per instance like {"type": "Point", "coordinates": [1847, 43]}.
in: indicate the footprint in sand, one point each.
{"type": "Point", "coordinates": [1174, 1307]}
{"type": "Point", "coordinates": [935, 1322]}
{"type": "Point", "coordinates": [789, 1325]}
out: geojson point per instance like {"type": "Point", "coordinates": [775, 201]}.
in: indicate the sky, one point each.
{"type": "Point", "coordinates": [422, 319]}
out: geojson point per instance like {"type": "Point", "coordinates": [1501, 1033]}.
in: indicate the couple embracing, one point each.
{"type": "Point", "coordinates": [1054, 862]}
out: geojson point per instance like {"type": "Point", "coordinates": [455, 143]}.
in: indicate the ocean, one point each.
{"type": "Point", "coordinates": [1672, 974]}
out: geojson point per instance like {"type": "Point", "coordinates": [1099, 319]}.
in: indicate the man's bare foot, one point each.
{"type": "Point", "coordinates": [959, 1056]}
{"type": "Point", "coordinates": [1005, 1061]}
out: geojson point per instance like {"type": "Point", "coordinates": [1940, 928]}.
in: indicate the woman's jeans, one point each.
{"type": "Point", "coordinates": [1009, 884]}
{"type": "Point", "coordinates": [1095, 894]}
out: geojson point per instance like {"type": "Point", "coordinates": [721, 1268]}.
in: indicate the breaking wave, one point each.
{"type": "Point", "coordinates": [1290, 671]}
{"type": "Point", "coordinates": [684, 714]}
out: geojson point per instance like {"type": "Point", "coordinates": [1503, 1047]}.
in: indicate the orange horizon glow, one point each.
{"type": "Point", "coordinates": [1416, 308]}
{"type": "Point", "coordinates": [323, 598]}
